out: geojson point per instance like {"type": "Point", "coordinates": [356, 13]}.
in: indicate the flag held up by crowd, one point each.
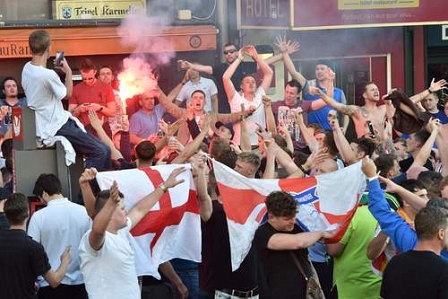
{"type": "Point", "coordinates": [326, 202]}
{"type": "Point", "coordinates": [172, 228]}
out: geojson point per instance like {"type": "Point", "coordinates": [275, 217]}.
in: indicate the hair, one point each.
{"type": "Point", "coordinates": [101, 198]}
{"type": "Point", "coordinates": [106, 66]}
{"type": "Point", "coordinates": [250, 158]}
{"type": "Point", "coordinates": [330, 143]}
{"type": "Point", "coordinates": [429, 221]}
{"type": "Point", "coordinates": [296, 84]}
{"type": "Point", "coordinates": [281, 204]}
{"type": "Point", "coordinates": [17, 209]}
{"type": "Point", "coordinates": [39, 41]}
{"type": "Point", "coordinates": [7, 79]}
{"type": "Point", "coordinates": [198, 91]}
{"type": "Point", "coordinates": [231, 44]}
{"type": "Point", "coordinates": [227, 157]}
{"type": "Point", "coordinates": [431, 180]}
{"type": "Point", "coordinates": [145, 151]}
{"type": "Point", "coordinates": [421, 136]}
{"type": "Point", "coordinates": [443, 183]}
{"type": "Point", "coordinates": [245, 76]}
{"type": "Point", "coordinates": [218, 146]}
{"type": "Point", "coordinates": [86, 65]}
{"type": "Point", "coordinates": [411, 185]}
{"type": "Point", "coordinates": [365, 145]}
{"type": "Point", "coordinates": [48, 183]}
{"type": "Point", "coordinates": [384, 163]}
{"type": "Point", "coordinates": [324, 62]}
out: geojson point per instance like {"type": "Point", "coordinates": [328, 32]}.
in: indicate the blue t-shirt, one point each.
{"type": "Point", "coordinates": [320, 116]}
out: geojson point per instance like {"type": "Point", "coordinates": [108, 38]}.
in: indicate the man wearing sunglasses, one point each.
{"type": "Point", "coordinates": [230, 53]}
{"type": "Point", "coordinates": [92, 94]}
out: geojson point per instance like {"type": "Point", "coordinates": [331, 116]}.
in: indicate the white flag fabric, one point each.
{"type": "Point", "coordinates": [326, 202]}
{"type": "Point", "coordinates": [172, 229]}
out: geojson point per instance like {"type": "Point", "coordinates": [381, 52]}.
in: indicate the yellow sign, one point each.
{"type": "Point", "coordinates": [376, 4]}
{"type": "Point", "coordinates": [75, 10]}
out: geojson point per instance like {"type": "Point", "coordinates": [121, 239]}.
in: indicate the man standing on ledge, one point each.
{"type": "Point", "coordinates": [45, 91]}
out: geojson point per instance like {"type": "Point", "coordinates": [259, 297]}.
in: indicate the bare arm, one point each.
{"type": "Point", "coordinates": [226, 77]}
{"type": "Point", "coordinates": [102, 219]}
{"type": "Point", "coordinates": [205, 201]}
{"type": "Point", "coordinates": [191, 148]}
{"type": "Point", "coordinates": [344, 149]}
{"type": "Point", "coordinates": [54, 278]}
{"type": "Point", "coordinates": [434, 87]}
{"type": "Point", "coordinates": [87, 194]}
{"type": "Point", "coordinates": [168, 271]}
{"type": "Point", "coordinates": [335, 249]}
{"type": "Point", "coordinates": [214, 99]}
{"type": "Point", "coordinates": [265, 68]}
{"type": "Point", "coordinates": [68, 77]}
{"type": "Point", "coordinates": [281, 241]}
{"type": "Point", "coordinates": [442, 145]}
{"type": "Point", "coordinates": [198, 67]}
{"type": "Point", "coordinates": [306, 134]}
{"type": "Point", "coordinates": [344, 109]}
{"type": "Point", "coordinates": [97, 124]}
{"type": "Point", "coordinates": [139, 210]}
{"type": "Point", "coordinates": [412, 199]}
{"type": "Point", "coordinates": [425, 151]}
{"type": "Point", "coordinates": [270, 119]}
{"type": "Point", "coordinates": [377, 246]}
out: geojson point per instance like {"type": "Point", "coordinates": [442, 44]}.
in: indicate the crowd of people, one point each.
{"type": "Point", "coordinates": [393, 247]}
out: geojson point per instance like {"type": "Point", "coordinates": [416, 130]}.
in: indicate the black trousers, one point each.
{"type": "Point", "coordinates": [63, 291]}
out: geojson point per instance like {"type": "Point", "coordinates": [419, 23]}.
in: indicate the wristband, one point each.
{"type": "Point", "coordinates": [101, 109]}
{"type": "Point", "coordinates": [429, 90]}
{"type": "Point", "coordinates": [303, 170]}
{"type": "Point", "coordinates": [163, 187]}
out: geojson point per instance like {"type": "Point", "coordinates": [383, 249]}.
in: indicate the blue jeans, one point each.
{"type": "Point", "coordinates": [97, 153]}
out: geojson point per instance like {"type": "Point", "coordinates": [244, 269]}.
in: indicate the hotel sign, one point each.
{"type": "Point", "coordinates": [76, 10]}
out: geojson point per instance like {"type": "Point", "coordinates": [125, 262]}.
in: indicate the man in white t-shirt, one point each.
{"type": "Point", "coordinates": [60, 224]}
{"type": "Point", "coordinates": [45, 91]}
{"type": "Point", "coordinates": [196, 82]}
{"type": "Point", "coordinates": [250, 95]}
{"type": "Point", "coordinates": [107, 258]}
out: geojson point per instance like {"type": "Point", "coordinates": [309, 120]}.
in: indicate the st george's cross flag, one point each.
{"type": "Point", "coordinates": [326, 202]}
{"type": "Point", "coordinates": [172, 229]}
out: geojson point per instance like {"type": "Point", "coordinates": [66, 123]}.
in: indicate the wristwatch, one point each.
{"type": "Point", "coordinates": [163, 187]}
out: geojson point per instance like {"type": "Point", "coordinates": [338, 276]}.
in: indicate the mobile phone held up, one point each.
{"type": "Point", "coordinates": [58, 58]}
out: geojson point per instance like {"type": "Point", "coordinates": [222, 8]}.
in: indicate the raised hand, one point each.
{"type": "Point", "coordinates": [88, 175]}
{"type": "Point", "coordinates": [436, 86]}
{"type": "Point", "coordinates": [172, 180]}
{"type": "Point", "coordinates": [95, 121]}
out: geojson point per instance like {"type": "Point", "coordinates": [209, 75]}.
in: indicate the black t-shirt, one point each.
{"type": "Point", "coordinates": [245, 67]}
{"type": "Point", "coordinates": [415, 274]}
{"type": "Point", "coordinates": [406, 164]}
{"type": "Point", "coordinates": [22, 260]}
{"type": "Point", "coordinates": [218, 261]}
{"type": "Point", "coordinates": [281, 275]}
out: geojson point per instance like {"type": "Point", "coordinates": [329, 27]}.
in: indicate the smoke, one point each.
{"type": "Point", "coordinates": [145, 36]}
{"type": "Point", "coordinates": [137, 77]}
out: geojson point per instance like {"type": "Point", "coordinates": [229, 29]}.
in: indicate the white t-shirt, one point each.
{"type": "Point", "coordinates": [257, 117]}
{"type": "Point", "coordinates": [110, 272]}
{"type": "Point", "coordinates": [44, 92]}
{"type": "Point", "coordinates": [204, 84]}
{"type": "Point", "coordinates": [58, 225]}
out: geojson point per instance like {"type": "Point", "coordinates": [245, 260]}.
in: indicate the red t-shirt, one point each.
{"type": "Point", "coordinates": [100, 93]}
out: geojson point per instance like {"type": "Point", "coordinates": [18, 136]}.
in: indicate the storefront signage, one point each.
{"type": "Point", "coordinates": [334, 14]}
{"type": "Point", "coordinates": [11, 49]}
{"type": "Point", "coordinates": [75, 10]}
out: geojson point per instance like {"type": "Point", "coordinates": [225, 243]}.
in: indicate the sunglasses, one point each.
{"type": "Point", "coordinates": [229, 52]}
{"type": "Point", "coordinates": [88, 79]}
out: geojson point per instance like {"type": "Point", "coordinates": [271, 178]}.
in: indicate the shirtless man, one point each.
{"type": "Point", "coordinates": [370, 112]}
